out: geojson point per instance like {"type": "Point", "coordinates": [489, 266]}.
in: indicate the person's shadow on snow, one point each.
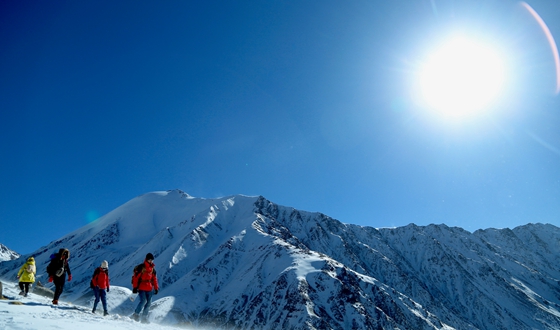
{"type": "Point", "coordinates": [31, 303]}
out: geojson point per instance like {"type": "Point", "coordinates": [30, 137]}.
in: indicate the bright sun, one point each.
{"type": "Point", "coordinates": [462, 78]}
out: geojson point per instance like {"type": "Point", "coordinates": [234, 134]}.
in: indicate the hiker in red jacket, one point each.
{"type": "Point", "coordinates": [144, 280]}
{"type": "Point", "coordinates": [100, 286]}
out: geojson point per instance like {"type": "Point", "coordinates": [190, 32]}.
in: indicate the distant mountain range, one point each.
{"type": "Point", "coordinates": [243, 262]}
{"type": "Point", "coordinates": [7, 254]}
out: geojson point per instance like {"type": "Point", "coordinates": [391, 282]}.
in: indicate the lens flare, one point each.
{"type": "Point", "coordinates": [91, 216]}
{"type": "Point", "coordinates": [550, 39]}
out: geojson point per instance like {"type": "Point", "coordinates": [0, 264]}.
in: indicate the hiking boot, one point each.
{"type": "Point", "coordinates": [55, 302]}
{"type": "Point", "coordinates": [136, 317]}
{"type": "Point", "coordinates": [145, 320]}
{"type": "Point", "coordinates": [93, 311]}
{"type": "Point", "coordinates": [21, 293]}
{"type": "Point", "coordinates": [105, 313]}
{"type": "Point", "coordinates": [25, 294]}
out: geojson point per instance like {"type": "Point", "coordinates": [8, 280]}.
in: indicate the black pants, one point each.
{"type": "Point", "coordinates": [58, 286]}
{"type": "Point", "coordinates": [25, 285]}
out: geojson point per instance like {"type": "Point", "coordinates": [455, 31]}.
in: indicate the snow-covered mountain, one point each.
{"type": "Point", "coordinates": [245, 262]}
{"type": "Point", "coordinates": [7, 254]}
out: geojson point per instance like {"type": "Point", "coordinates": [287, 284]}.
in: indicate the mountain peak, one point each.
{"type": "Point", "coordinates": [7, 254]}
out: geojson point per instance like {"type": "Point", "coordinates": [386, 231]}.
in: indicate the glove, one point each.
{"type": "Point", "coordinates": [134, 290]}
{"type": "Point", "coordinates": [156, 291]}
{"type": "Point", "coordinates": [50, 278]}
{"type": "Point", "coordinates": [107, 289]}
{"type": "Point", "coordinates": [69, 277]}
{"type": "Point", "coordinates": [18, 276]}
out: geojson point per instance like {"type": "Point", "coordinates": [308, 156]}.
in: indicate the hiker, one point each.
{"type": "Point", "coordinates": [26, 276]}
{"type": "Point", "coordinates": [144, 280]}
{"type": "Point", "coordinates": [57, 269]}
{"type": "Point", "coordinates": [100, 286]}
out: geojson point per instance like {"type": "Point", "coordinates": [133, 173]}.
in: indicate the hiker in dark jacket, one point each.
{"type": "Point", "coordinates": [57, 269]}
{"type": "Point", "coordinates": [144, 282]}
{"type": "Point", "coordinates": [100, 286]}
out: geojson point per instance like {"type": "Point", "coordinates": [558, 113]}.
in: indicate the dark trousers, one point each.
{"type": "Point", "coordinates": [24, 286]}
{"type": "Point", "coordinates": [145, 302]}
{"type": "Point", "coordinates": [58, 286]}
{"type": "Point", "coordinates": [100, 294]}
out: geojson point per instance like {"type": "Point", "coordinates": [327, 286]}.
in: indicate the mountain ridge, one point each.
{"type": "Point", "coordinates": [245, 262]}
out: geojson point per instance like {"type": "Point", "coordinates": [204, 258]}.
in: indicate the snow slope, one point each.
{"type": "Point", "coordinates": [245, 262]}
{"type": "Point", "coordinates": [35, 312]}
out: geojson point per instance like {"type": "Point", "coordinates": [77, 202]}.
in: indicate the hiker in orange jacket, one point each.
{"type": "Point", "coordinates": [144, 282]}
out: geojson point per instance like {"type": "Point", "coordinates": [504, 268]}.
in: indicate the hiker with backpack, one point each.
{"type": "Point", "coordinates": [100, 285]}
{"type": "Point", "coordinates": [26, 276]}
{"type": "Point", "coordinates": [144, 282]}
{"type": "Point", "coordinates": [57, 269]}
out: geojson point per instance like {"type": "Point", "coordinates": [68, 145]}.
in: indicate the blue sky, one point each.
{"type": "Point", "coordinates": [308, 103]}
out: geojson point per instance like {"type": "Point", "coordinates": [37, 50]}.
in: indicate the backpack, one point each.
{"type": "Point", "coordinates": [51, 265]}
{"type": "Point", "coordinates": [29, 269]}
{"type": "Point", "coordinates": [95, 273]}
{"type": "Point", "coordinates": [137, 270]}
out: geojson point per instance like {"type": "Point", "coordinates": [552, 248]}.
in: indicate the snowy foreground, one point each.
{"type": "Point", "coordinates": [36, 312]}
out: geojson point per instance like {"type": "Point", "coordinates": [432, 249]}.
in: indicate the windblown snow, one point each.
{"type": "Point", "coordinates": [36, 312]}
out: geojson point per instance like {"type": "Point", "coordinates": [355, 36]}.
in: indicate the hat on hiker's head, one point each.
{"type": "Point", "coordinates": [30, 259]}
{"type": "Point", "coordinates": [149, 256]}
{"type": "Point", "coordinates": [64, 252]}
{"type": "Point", "coordinates": [105, 264]}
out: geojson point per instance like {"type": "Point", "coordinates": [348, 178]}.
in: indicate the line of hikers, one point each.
{"type": "Point", "coordinates": [144, 281]}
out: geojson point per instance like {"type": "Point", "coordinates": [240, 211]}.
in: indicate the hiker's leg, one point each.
{"type": "Point", "coordinates": [148, 303]}
{"type": "Point", "coordinates": [142, 302]}
{"type": "Point", "coordinates": [96, 293]}
{"type": "Point", "coordinates": [103, 295]}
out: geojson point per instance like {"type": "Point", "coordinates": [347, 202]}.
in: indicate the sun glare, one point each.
{"type": "Point", "coordinates": [462, 78]}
